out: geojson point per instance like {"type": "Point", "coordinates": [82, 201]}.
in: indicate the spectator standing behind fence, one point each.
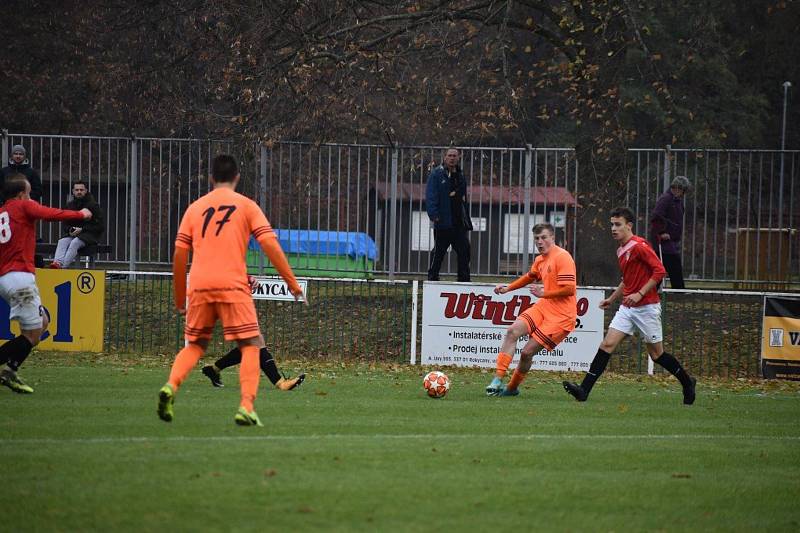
{"type": "Point", "coordinates": [667, 229]}
{"type": "Point", "coordinates": [18, 164]}
{"type": "Point", "coordinates": [446, 203]}
{"type": "Point", "coordinates": [80, 234]}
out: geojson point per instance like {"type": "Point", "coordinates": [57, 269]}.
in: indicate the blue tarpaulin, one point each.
{"type": "Point", "coordinates": [313, 242]}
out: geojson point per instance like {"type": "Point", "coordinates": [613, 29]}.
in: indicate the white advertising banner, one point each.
{"type": "Point", "coordinates": [464, 325]}
{"type": "Point", "coordinates": [272, 288]}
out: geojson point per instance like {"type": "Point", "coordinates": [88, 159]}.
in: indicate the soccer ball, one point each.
{"type": "Point", "coordinates": [436, 384]}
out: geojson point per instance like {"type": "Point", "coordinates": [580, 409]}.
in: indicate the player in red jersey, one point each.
{"type": "Point", "coordinates": [548, 321]}
{"type": "Point", "coordinates": [640, 309]}
{"type": "Point", "coordinates": [18, 216]}
{"type": "Point", "coordinates": [216, 228]}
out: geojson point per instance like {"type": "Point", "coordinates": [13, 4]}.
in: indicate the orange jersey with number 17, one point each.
{"type": "Point", "coordinates": [217, 228]}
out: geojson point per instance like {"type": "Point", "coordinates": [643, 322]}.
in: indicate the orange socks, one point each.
{"type": "Point", "coordinates": [184, 363]}
{"type": "Point", "coordinates": [503, 360]}
{"type": "Point", "coordinates": [248, 376]}
{"type": "Point", "coordinates": [516, 379]}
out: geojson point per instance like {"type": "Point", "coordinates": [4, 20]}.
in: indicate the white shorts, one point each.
{"type": "Point", "coordinates": [19, 290]}
{"type": "Point", "coordinates": [646, 318]}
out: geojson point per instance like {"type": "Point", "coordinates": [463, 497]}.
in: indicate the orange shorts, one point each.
{"type": "Point", "coordinates": [239, 320]}
{"type": "Point", "coordinates": [546, 333]}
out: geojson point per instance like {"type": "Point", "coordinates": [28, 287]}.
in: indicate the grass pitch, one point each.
{"type": "Point", "coordinates": [362, 448]}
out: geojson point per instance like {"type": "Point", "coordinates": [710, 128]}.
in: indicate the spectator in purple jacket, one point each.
{"type": "Point", "coordinates": [667, 228]}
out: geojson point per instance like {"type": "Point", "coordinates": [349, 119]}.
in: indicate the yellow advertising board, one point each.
{"type": "Point", "coordinates": [74, 300]}
{"type": "Point", "coordinates": [780, 344]}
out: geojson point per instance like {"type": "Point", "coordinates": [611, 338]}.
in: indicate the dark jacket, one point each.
{"type": "Point", "coordinates": [437, 197]}
{"type": "Point", "coordinates": [92, 229]}
{"type": "Point", "coordinates": [667, 217]}
{"type": "Point", "coordinates": [26, 170]}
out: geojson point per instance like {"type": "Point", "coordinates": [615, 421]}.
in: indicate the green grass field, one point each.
{"type": "Point", "coordinates": [362, 448]}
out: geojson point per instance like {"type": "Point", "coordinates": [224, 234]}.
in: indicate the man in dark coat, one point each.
{"type": "Point", "coordinates": [667, 229]}
{"type": "Point", "coordinates": [18, 164]}
{"type": "Point", "coordinates": [80, 234]}
{"type": "Point", "coordinates": [446, 203]}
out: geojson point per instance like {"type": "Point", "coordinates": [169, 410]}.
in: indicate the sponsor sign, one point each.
{"type": "Point", "coordinates": [464, 325]}
{"type": "Point", "coordinates": [780, 339]}
{"type": "Point", "coordinates": [74, 301]}
{"type": "Point", "coordinates": [271, 288]}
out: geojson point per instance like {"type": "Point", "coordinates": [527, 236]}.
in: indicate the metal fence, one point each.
{"type": "Point", "coordinates": [145, 184]}
{"type": "Point", "coordinates": [142, 184]}
{"type": "Point", "coordinates": [712, 333]}
{"type": "Point", "coordinates": [741, 217]}
{"type": "Point", "coordinates": [140, 318]}
{"type": "Point", "coordinates": [741, 220]}
{"type": "Point", "coordinates": [380, 190]}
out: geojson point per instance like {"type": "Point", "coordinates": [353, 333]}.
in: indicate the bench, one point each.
{"type": "Point", "coordinates": [86, 255]}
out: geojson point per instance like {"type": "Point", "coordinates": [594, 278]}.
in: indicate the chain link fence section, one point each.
{"type": "Point", "coordinates": [140, 318]}
{"type": "Point", "coordinates": [712, 333]}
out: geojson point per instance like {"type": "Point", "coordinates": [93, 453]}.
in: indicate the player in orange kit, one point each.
{"type": "Point", "coordinates": [216, 228]}
{"type": "Point", "coordinates": [548, 321]}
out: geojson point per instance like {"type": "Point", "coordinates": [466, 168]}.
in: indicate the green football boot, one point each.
{"type": "Point", "coordinates": [10, 379]}
{"type": "Point", "coordinates": [166, 397]}
{"type": "Point", "coordinates": [243, 418]}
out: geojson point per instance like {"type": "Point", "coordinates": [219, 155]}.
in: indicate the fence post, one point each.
{"type": "Point", "coordinates": [527, 207]}
{"type": "Point", "coordinates": [4, 133]}
{"type": "Point", "coordinates": [262, 196]}
{"type": "Point", "coordinates": [393, 216]}
{"type": "Point", "coordinates": [574, 213]}
{"type": "Point", "coordinates": [134, 204]}
{"type": "Point", "coordinates": [667, 169]}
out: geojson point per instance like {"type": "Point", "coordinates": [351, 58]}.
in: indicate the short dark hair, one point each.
{"type": "Point", "coordinates": [623, 212]}
{"type": "Point", "coordinates": [224, 168]}
{"type": "Point", "coordinates": [538, 228]}
{"type": "Point", "coordinates": [14, 185]}
{"type": "Point", "coordinates": [80, 182]}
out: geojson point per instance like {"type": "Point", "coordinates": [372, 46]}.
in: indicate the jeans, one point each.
{"type": "Point", "coordinates": [67, 250]}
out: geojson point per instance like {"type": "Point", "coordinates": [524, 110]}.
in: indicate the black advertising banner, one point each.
{"type": "Point", "coordinates": [780, 338]}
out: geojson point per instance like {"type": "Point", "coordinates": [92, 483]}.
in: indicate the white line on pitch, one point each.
{"type": "Point", "coordinates": [426, 436]}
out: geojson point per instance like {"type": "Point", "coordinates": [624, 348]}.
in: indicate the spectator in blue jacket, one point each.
{"type": "Point", "coordinates": [446, 203]}
{"type": "Point", "coordinates": [667, 229]}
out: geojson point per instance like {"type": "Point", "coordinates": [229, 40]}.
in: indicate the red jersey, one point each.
{"type": "Point", "coordinates": [639, 263]}
{"type": "Point", "coordinates": [18, 232]}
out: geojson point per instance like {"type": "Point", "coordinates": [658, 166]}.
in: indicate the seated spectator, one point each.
{"type": "Point", "coordinates": [79, 234]}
